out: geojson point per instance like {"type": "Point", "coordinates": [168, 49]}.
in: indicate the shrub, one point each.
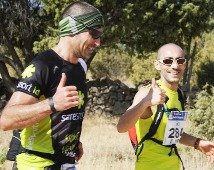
{"type": "Point", "coordinates": [202, 113]}
{"type": "Point", "coordinates": [205, 74]}
{"type": "Point", "coordinates": [3, 155]}
{"type": "Point", "coordinates": [114, 64]}
{"type": "Point", "coordinates": [143, 69]}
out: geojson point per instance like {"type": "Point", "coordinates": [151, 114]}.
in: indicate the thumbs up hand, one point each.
{"type": "Point", "coordinates": [65, 96]}
{"type": "Point", "coordinates": [156, 95]}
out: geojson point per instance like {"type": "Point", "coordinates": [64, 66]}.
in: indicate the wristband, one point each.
{"type": "Point", "coordinates": [51, 104]}
{"type": "Point", "coordinates": [197, 143]}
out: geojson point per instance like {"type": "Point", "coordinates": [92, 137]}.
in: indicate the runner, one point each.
{"type": "Point", "coordinates": [159, 116]}
{"type": "Point", "coordinates": [49, 102]}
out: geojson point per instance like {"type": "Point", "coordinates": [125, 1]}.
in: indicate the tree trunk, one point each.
{"type": "Point", "coordinates": [9, 84]}
{"type": "Point", "coordinates": [12, 50]}
{"type": "Point", "coordinates": [10, 62]}
{"type": "Point", "coordinates": [192, 59]}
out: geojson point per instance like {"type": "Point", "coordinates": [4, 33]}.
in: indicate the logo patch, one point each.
{"type": "Point", "coordinates": [28, 72]}
{"type": "Point", "coordinates": [24, 86]}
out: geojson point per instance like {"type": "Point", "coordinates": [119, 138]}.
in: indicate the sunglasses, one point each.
{"type": "Point", "coordinates": [169, 61]}
{"type": "Point", "coordinates": [95, 34]}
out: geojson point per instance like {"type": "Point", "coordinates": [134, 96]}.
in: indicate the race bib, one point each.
{"type": "Point", "coordinates": [174, 127]}
{"type": "Point", "coordinates": [68, 167]}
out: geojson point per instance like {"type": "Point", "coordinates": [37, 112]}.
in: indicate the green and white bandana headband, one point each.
{"type": "Point", "coordinates": [72, 25]}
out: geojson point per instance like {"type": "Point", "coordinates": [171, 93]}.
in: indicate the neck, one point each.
{"type": "Point", "coordinates": [171, 85]}
{"type": "Point", "coordinates": [65, 50]}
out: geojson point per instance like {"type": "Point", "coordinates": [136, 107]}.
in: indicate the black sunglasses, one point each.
{"type": "Point", "coordinates": [95, 34]}
{"type": "Point", "coordinates": [169, 61]}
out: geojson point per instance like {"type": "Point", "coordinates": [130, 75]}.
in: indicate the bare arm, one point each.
{"type": "Point", "coordinates": [141, 107]}
{"type": "Point", "coordinates": [130, 117]}
{"type": "Point", "coordinates": [24, 110]}
{"type": "Point", "coordinates": [204, 146]}
{"type": "Point", "coordinates": [187, 139]}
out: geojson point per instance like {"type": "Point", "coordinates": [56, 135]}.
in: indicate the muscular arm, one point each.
{"type": "Point", "coordinates": [23, 110]}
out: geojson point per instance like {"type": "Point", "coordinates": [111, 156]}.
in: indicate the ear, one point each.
{"type": "Point", "coordinates": [157, 65]}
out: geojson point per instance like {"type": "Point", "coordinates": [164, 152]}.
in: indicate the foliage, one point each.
{"type": "Point", "coordinates": [205, 75]}
{"type": "Point", "coordinates": [120, 65]}
{"type": "Point", "coordinates": [54, 9]}
{"type": "Point", "coordinates": [44, 44]}
{"type": "Point", "coordinates": [22, 22]}
{"type": "Point", "coordinates": [203, 66]}
{"type": "Point", "coordinates": [3, 155]}
{"type": "Point", "coordinates": [138, 27]}
{"type": "Point", "coordinates": [114, 64]}
{"type": "Point", "coordinates": [145, 25]}
{"type": "Point", "coordinates": [202, 114]}
{"type": "Point", "coordinates": [143, 69]}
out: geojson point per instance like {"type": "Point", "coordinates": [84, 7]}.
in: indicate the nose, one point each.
{"type": "Point", "coordinates": [174, 64]}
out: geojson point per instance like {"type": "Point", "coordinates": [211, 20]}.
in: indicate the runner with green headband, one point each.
{"type": "Point", "coordinates": [50, 98]}
{"type": "Point", "coordinates": [72, 25]}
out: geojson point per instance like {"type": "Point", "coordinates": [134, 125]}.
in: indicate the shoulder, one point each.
{"type": "Point", "coordinates": [48, 57]}
{"type": "Point", "coordinates": [46, 60]}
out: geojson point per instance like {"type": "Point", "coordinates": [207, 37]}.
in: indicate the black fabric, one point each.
{"type": "Point", "coordinates": [56, 158]}
{"type": "Point", "coordinates": [181, 98]}
{"type": "Point", "coordinates": [53, 167]}
{"type": "Point", "coordinates": [41, 78]}
{"type": "Point", "coordinates": [15, 146]}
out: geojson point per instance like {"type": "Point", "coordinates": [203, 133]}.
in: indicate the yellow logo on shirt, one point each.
{"type": "Point", "coordinates": [28, 72]}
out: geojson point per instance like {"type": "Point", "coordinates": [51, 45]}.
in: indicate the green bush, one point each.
{"type": "Point", "coordinates": [143, 69]}
{"type": "Point", "coordinates": [120, 65]}
{"type": "Point", "coordinates": [203, 62]}
{"type": "Point", "coordinates": [3, 155]}
{"type": "Point", "coordinates": [114, 64]}
{"type": "Point", "coordinates": [205, 74]}
{"type": "Point", "coordinates": [201, 115]}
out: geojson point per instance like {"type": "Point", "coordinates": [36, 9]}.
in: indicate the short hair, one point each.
{"type": "Point", "coordinates": [78, 8]}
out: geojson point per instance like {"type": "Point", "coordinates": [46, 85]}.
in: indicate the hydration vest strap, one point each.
{"type": "Point", "coordinates": [172, 147]}
{"type": "Point", "coordinates": [176, 153]}
{"type": "Point", "coordinates": [152, 130]}
{"type": "Point", "coordinates": [181, 98]}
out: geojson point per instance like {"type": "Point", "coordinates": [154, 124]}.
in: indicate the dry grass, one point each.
{"type": "Point", "coordinates": [4, 139]}
{"type": "Point", "coordinates": [4, 144]}
{"type": "Point", "coordinates": [106, 149]}
{"type": "Point", "coordinates": [194, 160]}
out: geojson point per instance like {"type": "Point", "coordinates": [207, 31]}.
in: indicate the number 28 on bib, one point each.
{"type": "Point", "coordinates": [174, 127]}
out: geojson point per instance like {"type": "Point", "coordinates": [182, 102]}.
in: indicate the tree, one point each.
{"type": "Point", "coordinates": [135, 26]}
{"type": "Point", "coordinates": [201, 115]}
{"type": "Point", "coordinates": [21, 24]}
{"type": "Point", "coordinates": [143, 26]}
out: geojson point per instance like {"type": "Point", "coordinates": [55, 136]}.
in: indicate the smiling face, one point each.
{"type": "Point", "coordinates": [85, 45]}
{"type": "Point", "coordinates": [171, 63]}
